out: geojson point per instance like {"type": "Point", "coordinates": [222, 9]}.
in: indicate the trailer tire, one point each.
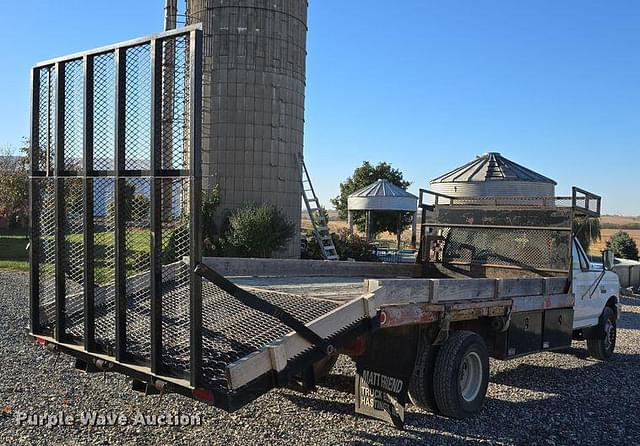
{"type": "Point", "coordinates": [461, 375]}
{"type": "Point", "coordinates": [602, 346]}
{"type": "Point", "coordinates": [421, 383]}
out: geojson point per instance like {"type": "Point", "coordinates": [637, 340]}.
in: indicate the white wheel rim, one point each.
{"type": "Point", "coordinates": [470, 376]}
{"type": "Point", "coordinates": [610, 334]}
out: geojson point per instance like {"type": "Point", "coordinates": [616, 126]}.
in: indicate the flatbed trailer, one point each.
{"type": "Point", "coordinates": [119, 282]}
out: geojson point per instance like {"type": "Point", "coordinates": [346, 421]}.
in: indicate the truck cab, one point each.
{"type": "Point", "coordinates": [593, 288]}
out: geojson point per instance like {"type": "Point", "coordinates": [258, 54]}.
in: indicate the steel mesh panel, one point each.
{"type": "Point", "coordinates": [44, 226]}
{"type": "Point", "coordinates": [104, 85]}
{"type": "Point", "coordinates": [73, 253]}
{"type": "Point", "coordinates": [137, 216]}
{"type": "Point", "coordinates": [45, 148]}
{"type": "Point", "coordinates": [232, 330]}
{"type": "Point", "coordinates": [104, 254]}
{"type": "Point", "coordinates": [175, 104]}
{"type": "Point", "coordinates": [104, 177]}
{"type": "Point", "coordinates": [137, 137]}
{"type": "Point", "coordinates": [528, 248]}
{"type": "Point", "coordinates": [73, 114]}
{"type": "Point", "coordinates": [176, 245]}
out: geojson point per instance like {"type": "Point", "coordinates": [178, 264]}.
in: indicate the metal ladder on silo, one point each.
{"type": "Point", "coordinates": [320, 227]}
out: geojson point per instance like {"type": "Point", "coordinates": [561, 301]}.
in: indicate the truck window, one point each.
{"type": "Point", "coordinates": [579, 258]}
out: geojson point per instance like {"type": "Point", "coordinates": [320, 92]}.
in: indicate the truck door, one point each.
{"type": "Point", "coordinates": [585, 286]}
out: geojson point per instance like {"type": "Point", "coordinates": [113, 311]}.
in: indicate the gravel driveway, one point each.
{"type": "Point", "coordinates": [544, 399]}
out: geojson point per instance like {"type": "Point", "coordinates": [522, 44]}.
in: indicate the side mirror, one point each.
{"type": "Point", "coordinates": [608, 260]}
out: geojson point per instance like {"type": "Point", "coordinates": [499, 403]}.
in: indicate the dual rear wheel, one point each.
{"type": "Point", "coordinates": [451, 379]}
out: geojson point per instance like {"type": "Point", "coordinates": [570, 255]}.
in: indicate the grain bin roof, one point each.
{"type": "Point", "coordinates": [382, 196]}
{"type": "Point", "coordinates": [491, 166]}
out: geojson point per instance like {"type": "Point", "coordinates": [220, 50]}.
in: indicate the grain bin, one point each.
{"type": "Point", "coordinates": [253, 102]}
{"type": "Point", "coordinates": [491, 174]}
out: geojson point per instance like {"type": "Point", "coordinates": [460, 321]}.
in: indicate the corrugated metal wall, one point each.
{"type": "Point", "coordinates": [495, 188]}
{"type": "Point", "coordinates": [254, 85]}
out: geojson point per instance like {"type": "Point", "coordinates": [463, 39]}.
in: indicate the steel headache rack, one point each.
{"type": "Point", "coordinates": [115, 198]}
{"type": "Point", "coordinates": [503, 236]}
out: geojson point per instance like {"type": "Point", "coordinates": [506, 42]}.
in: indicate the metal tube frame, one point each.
{"type": "Point", "coordinates": [34, 283]}
{"type": "Point", "coordinates": [88, 350]}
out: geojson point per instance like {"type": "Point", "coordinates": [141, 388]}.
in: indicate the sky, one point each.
{"type": "Point", "coordinates": [424, 85]}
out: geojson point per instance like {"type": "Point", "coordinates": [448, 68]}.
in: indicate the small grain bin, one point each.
{"type": "Point", "coordinates": [383, 196]}
{"type": "Point", "coordinates": [491, 174]}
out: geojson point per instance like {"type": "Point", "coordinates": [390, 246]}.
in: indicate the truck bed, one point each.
{"type": "Point", "coordinates": [362, 299]}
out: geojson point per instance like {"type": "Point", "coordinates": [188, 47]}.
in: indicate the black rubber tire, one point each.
{"type": "Point", "coordinates": [598, 348]}
{"type": "Point", "coordinates": [421, 384]}
{"type": "Point", "coordinates": [446, 375]}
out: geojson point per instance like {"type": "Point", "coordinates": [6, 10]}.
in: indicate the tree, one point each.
{"type": "Point", "coordinates": [587, 230]}
{"type": "Point", "coordinates": [14, 185]}
{"type": "Point", "coordinates": [136, 206]}
{"type": "Point", "coordinates": [362, 177]}
{"type": "Point", "coordinates": [352, 246]}
{"type": "Point", "coordinates": [623, 246]}
{"type": "Point", "coordinates": [257, 230]}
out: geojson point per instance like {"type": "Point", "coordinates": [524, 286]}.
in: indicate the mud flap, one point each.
{"type": "Point", "coordinates": [382, 377]}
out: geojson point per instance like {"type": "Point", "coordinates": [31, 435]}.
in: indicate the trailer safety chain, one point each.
{"type": "Point", "coordinates": [263, 306]}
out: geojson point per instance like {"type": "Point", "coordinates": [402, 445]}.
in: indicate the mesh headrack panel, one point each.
{"type": "Point", "coordinates": [479, 236]}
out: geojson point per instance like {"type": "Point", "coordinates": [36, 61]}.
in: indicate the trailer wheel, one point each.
{"type": "Point", "coordinates": [602, 347]}
{"type": "Point", "coordinates": [461, 375]}
{"type": "Point", "coordinates": [421, 384]}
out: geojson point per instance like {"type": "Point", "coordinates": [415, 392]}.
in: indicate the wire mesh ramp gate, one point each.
{"type": "Point", "coordinates": [115, 179]}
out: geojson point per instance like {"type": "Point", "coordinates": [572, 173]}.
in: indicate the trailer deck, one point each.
{"type": "Point", "coordinates": [230, 330]}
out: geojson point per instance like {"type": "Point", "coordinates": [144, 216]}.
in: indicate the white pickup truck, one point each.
{"type": "Point", "coordinates": [596, 290]}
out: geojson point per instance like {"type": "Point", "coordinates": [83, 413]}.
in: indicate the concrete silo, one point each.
{"type": "Point", "coordinates": [491, 174]}
{"type": "Point", "coordinates": [253, 93]}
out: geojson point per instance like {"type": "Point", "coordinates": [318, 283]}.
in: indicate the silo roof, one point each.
{"type": "Point", "coordinates": [382, 196]}
{"type": "Point", "coordinates": [491, 166]}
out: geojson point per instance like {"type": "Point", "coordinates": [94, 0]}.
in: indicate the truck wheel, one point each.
{"type": "Point", "coordinates": [461, 375]}
{"type": "Point", "coordinates": [421, 384]}
{"type": "Point", "coordinates": [602, 348]}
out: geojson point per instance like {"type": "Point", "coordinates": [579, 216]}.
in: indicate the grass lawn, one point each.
{"type": "Point", "coordinates": [13, 252]}
{"type": "Point", "coordinates": [14, 256]}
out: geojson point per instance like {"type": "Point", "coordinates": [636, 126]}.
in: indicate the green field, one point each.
{"type": "Point", "coordinates": [13, 250]}
{"type": "Point", "coordinates": [13, 253]}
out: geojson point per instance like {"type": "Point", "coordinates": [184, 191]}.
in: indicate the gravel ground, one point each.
{"type": "Point", "coordinates": [543, 399]}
